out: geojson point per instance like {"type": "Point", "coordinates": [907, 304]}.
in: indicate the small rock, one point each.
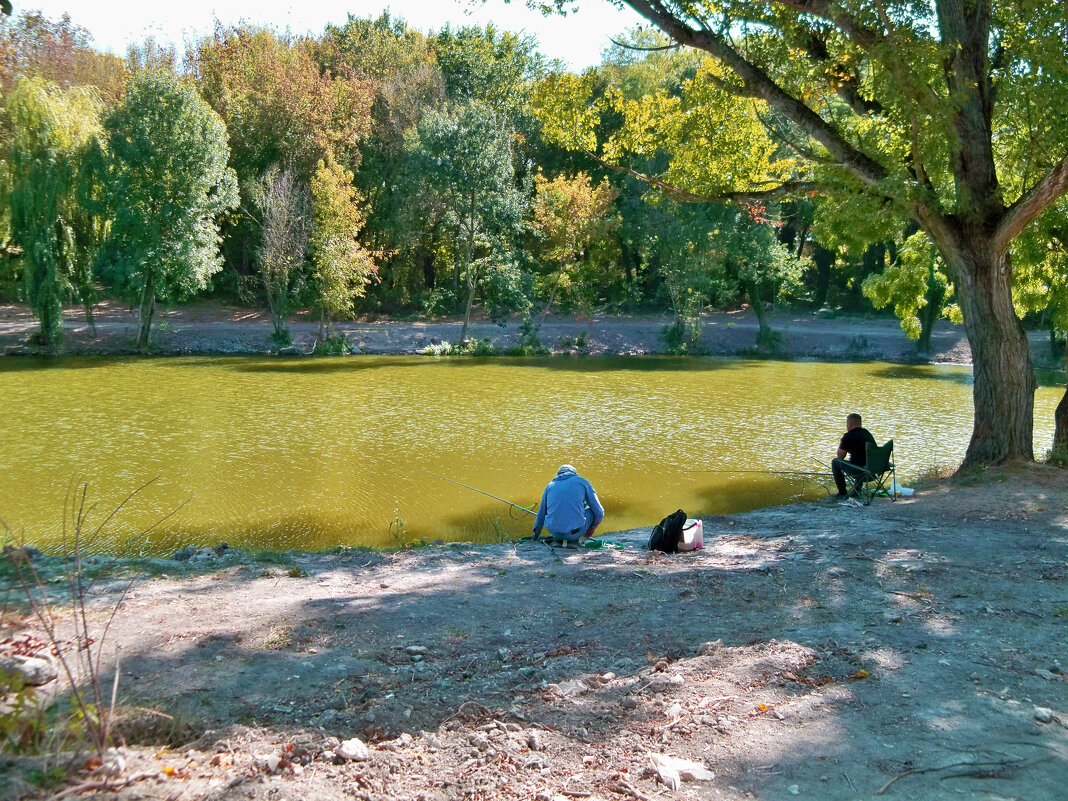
{"type": "Point", "coordinates": [328, 756]}
{"type": "Point", "coordinates": [793, 789]}
{"type": "Point", "coordinates": [267, 762]}
{"type": "Point", "coordinates": [414, 650]}
{"type": "Point", "coordinates": [114, 762]}
{"type": "Point", "coordinates": [31, 670]}
{"type": "Point", "coordinates": [607, 677]}
{"type": "Point", "coordinates": [543, 797]}
{"type": "Point", "coordinates": [355, 750]}
{"type": "Point", "coordinates": [710, 648]}
{"type": "Point", "coordinates": [571, 687]}
{"type": "Point", "coordinates": [674, 710]}
{"type": "Point", "coordinates": [975, 677]}
{"type": "Point", "coordinates": [534, 742]}
{"type": "Point", "coordinates": [185, 554]}
{"type": "Point", "coordinates": [504, 654]}
{"type": "Point", "coordinates": [1048, 675]}
{"type": "Point", "coordinates": [1043, 714]}
{"type": "Point", "coordinates": [628, 702]}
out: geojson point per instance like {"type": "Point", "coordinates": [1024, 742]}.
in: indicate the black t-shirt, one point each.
{"type": "Point", "coordinates": [853, 444]}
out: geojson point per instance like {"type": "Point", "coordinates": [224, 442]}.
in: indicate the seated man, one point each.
{"type": "Point", "coordinates": [569, 508]}
{"type": "Point", "coordinates": [852, 444]}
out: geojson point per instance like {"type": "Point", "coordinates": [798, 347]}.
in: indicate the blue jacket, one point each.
{"type": "Point", "coordinates": [563, 504]}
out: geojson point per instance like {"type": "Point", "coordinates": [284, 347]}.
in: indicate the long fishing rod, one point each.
{"type": "Point", "coordinates": [482, 492]}
{"type": "Point", "coordinates": [767, 472]}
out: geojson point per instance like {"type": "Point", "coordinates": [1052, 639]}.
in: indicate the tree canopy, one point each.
{"type": "Point", "coordinates": [165, 157]}
{"type": "Point", "coordinates": [916, 107]}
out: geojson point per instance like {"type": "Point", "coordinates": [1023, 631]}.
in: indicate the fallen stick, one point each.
{"type": "Point", "coordinates": [624, 788]}
{"type": "Point", "coordinates": [105, 784]}
{"type": "Point", "coordinates": [919, 771]}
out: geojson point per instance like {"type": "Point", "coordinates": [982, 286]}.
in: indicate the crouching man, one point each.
{"type": "Point", "coordinates": [569, 508]}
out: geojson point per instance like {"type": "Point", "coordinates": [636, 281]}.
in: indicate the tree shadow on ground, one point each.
{"type": "Point", "coordinates": [855, 641]}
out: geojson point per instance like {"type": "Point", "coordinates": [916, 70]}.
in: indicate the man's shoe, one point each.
{"type": "Point", "coordinates": [571, 544]}
{"type": "Point", "coordinates": [836, 498]}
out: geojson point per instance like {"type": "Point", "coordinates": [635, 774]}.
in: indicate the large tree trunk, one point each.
{"type": "Point", "coordinates": [931, 311]}
{"type": "Point", "coordinates": [470, 303]}
{"type": "Point", "coordinates": [824, 261]}
{"type": "Point", "coordinates": [1003, 374]}
{"type": "Point", "coordinates": [1060, 433]}
{"type": "Point", "coordinates": [148, 306]}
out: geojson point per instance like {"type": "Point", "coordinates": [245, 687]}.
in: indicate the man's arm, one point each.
{"type": "Point", "coordinates": [595, 506]}
{"type": "Point", "coordinates": [539, 521]}
{"type": "Point", "coordinates": [842, 452]}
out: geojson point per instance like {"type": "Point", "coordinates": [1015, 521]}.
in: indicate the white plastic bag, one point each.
{"type": "Point", "coordinates": [693, 535]}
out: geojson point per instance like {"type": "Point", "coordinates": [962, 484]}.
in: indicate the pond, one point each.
{"type": "Point", "coordinates": [311, 453]}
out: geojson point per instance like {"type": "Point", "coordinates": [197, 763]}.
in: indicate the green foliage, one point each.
{"type": "Point", "coordinates": [472, 347]}
{"type": "Point", "coordinates": [575, 225]}
{"type": "Point", "coordinates": [343, 267]}
{"type": "Point", "coordinates": [166, 184]}
{"type": "Point", "coordinates": [914, 282]}
{"type": "Point", "coordinates": [51, 130]}
{"type": "Point", "coordinates": [487, 65]}
{"type": "Point", "coordinates": [462, 158]}
{"type": "Point", "coordinates": [335, 345]}
{"type": "Point", "coordinates": [715, 142]}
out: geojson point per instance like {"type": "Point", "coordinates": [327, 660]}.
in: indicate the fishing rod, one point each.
{"type": "Point", "coordinates": [768, 472]}
{"type": "Point", "coordinates": [482, 492]}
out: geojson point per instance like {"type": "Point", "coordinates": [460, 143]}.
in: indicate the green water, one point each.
{"type": "Point", "coordinates": [270, 453]}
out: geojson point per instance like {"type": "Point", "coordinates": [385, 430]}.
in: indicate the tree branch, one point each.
{"type": "Point", "coordinates": [1030, 204]}
{"type": "Point", "coordinates": [862, 166]}
{"type": "Point", "coordinates": [625, 46]}
{"type": "Point", "coordinates": [862, 37]}
{"type": "Point", "coordinates": [685, 196]}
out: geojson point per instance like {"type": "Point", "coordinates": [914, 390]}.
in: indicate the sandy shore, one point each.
{"type": "Point", "coordinates": [213, 329]}
{"type": "Point", "coordinates": [825, 652]}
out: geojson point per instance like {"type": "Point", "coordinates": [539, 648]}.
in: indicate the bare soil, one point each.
{"type": "Point", "coordinates": [211, 329]}
{"type": "Point", "coordinates": [909, 649]}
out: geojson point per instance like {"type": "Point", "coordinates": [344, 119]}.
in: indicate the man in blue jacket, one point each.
{"type": "Point", "coordinates": [569, 508]}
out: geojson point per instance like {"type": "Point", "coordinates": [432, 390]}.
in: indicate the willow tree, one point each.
{"type": "Point", "coordinates": [51, 129]}
{"type": "Point", "coordinates": [905, 103]}
{"type": "Point", "coordinates": [166, 183]}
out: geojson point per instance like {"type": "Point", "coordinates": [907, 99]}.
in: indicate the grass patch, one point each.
{"type": "Point", "coordinates": [279, 638]}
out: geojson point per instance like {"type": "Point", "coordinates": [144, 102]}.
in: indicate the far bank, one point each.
{"type": "Point", "coordinates": [213, 329]}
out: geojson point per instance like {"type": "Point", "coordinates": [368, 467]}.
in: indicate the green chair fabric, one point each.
{"type": "Point", "coordinates": [879, 475]}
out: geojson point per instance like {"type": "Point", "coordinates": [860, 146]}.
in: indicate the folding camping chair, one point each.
{"type": "Point", "coordinates": [879, 474]}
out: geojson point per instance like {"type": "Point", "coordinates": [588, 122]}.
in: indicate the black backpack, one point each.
{"type": "Point", "coordinates": [666, 533]}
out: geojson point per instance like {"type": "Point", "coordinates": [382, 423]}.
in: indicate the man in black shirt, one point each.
{"type": "Point", "coordinates": [852, 444]}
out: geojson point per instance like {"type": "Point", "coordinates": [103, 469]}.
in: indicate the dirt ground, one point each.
{"type": "Point", "coordinates": [910, 650]}
{"type": "Point", "coordinates": [208, 328]}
